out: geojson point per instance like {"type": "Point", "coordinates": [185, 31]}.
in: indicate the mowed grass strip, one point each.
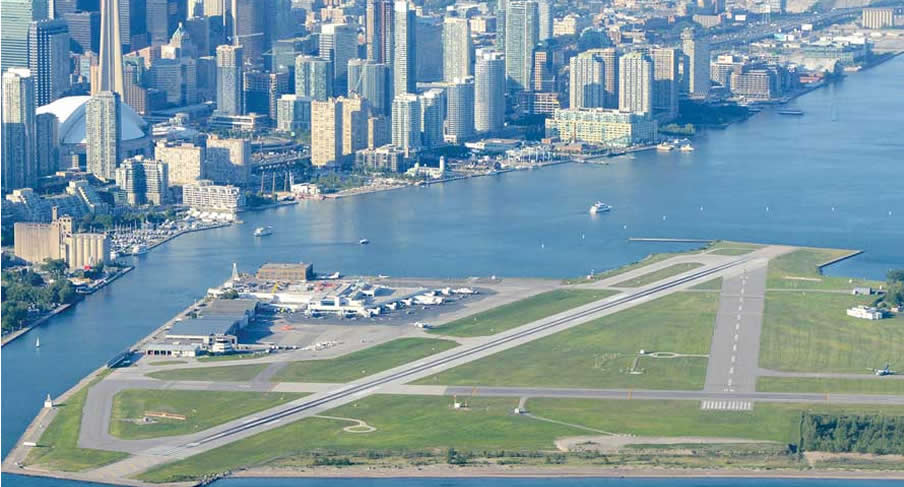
{"type": "Point", "coordinates": [710, 285]}
{"type": "Point", "coordinates": [202, 410]}
{"type": "Point", "coordinates": [767, 421]}
{"type": "Point", "coordinates": [599, 354]}
{"type": "Point", "coordinates": [403, 423]}
{"type": "Point", "coordinates": [521, 312]}
{"type": "Point", "coordinates": [731, 251]}
{"type": "Point", "coordinates": [58, 447]}
{"type": "Point", "coordinates": [665, 272]}
{"type": "Point", "coordinates": [878, 385]}
{"type": "Point", "coordinates": [799, 269]}
{"type": "Point", "coordinates": [810, 332]}
{"type": "Point", "coordinates": [228, 373]}
{"type": "Point", "coordinates": [363, 362]}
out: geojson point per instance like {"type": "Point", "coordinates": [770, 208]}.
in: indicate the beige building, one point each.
{"type": "Point", "coordinates": [326, 132]}
{"type": "Point", "coordinates": [601, 126]}
{"type": "Point", "coordinates": [355, 112]}
{"type": "Point", "coordinates": [36, 242]}
{"type": "Point", "coordinates": [228, 160]}
{"type": "Point", "coordinates": [878, 18]}
{"type": "Point", "coordinates": [186, 161]}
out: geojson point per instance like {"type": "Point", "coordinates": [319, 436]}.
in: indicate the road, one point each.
{"type": "Point", "coordinates": [173, 448]}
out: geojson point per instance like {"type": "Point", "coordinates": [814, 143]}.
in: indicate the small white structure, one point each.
{"type": "Point", "coordinates": [866, 312]}
{"type": "Point", "coordinates": [862, 291]}
{"type": "Point", "coordinates": [48, 403]}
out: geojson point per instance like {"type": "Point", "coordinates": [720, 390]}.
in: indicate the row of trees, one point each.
{"type": "Point", "coordinates": [895, 294]}
{"type": "Point", "coordinates": [877, 434]}
{"type": "Point", "coordinates": [26, 293]}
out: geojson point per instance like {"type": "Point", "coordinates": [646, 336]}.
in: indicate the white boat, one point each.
{"type": "Point", "coordinates": [263, 231]}
{"type": "Point", "coordinates": [599, 207]}
{"type": "Point", "coordinates": [114, 255]}
{"type": "Point", "coordinates": [38, 342]}
{"type": "Point", "coordinates": [139, 249]}
{"type": "Point", "coordinates": [686, 148]}
{"type": "Point", "coordinates": [664, 147]}
{"type": "Point", "coordinates": [363, 241]}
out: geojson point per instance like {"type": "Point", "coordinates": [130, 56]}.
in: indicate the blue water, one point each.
{"type": "Point", "coordinates": [831, 178]}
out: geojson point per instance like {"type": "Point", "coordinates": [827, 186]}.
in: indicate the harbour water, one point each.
{"type": "Point", "coordinates": [831, 178]}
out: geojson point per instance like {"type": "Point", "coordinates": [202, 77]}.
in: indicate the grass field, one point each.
{"type": "Point", "coordinates": [404, 423]}
{"type": "Point", "coordinates": [419, 423]}
{"type": "Point", "coordinates": [666, 272]}
{"type": "Point", "coordinates": [837, 386]}
{"type": "Point", "coordinates": [810, 332]}
{"type": "Point", "coordinates": [227, 373]}
{"type": "Point", "coordinates": [598, 354]}
{"type": "Point", "coordinates": [521, 312]}
{"type": "Point", "coordinates": [767, 421]}
{"type": "Point", "coordinates": [363, 362]}
{"type": "Point", "coordinates": [804, 263]}
{"type": "Point", "coordinates": [58, 447]}
{"type": "Point", "coordinates": [232, 356]}
{"type": "Point", "coordinates": [731, 251]}
{"type": "Point", "coordinates": [710, 285]}
{"type": "Point", "coordinates": [202, 409]}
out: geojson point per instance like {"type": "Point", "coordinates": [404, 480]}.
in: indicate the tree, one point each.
{"type": "Point", "coordinates": [14, 315]}
{"type": "Point", "coordinates": [57, 268]}
{"type": "Point", "coordinates": [895, 293]}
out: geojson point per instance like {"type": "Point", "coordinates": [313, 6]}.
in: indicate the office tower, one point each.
{"type": "Point", "coordinates": [133, 30]}
{"type": "Point", "coordinates": [136, 81]}
{"type": "Point", "coordinates": [544, 75]}
{"type": "Point", "coordinates": [635, 83]}
{"type": "Point", "coordinates": [545, 18]}
{"type": "Point", "coordinates": [102, 134]}
{"type": "Point", "coordinates": [521, 36]}
{"type": "Point", "coordinates": [665, 81]}
{"type": "Point", "coordinates": [229, 80]}
{"type": "Point", "coordinates": [248, 22]}
{"type": "Point", "coordinates": [406, 122]}
{"type": "Point", "coordinates": [489, 91]}
{"type": "Point", "coordinates": [457, 50]}
{"type": "Point", "coordinates": [610, 57]}
{"type": "Point", "coordinates": [403, 66]}
{"type": "Point", "coordinates": [47, 144]}
{"type": "Point", "coordinates": [326, 132]}
{"type": "Point", "coordinates": [355, 112]}
{"type": "Point", "coordinates": [460, 110]}
{"type": "Point", "coordinates": [207, 78]}
{"type": "Point", "coordinates": [379, 31]}
{"type": "Point", "coordinates": [696, 80]}
{"type": "Point", "coordinates": [145, 181]}
{"type": "Point", "coordinates": [214, 8]}
{"type": "Point", "coordinates": [84, 31]}
{"type": "Point", "coordinates": [16, 16]}
{"type": "Point", "coordinates": [339, 44]}
{"type": "Point", "coordinates": [501, 6]}
{"type": "Point", "coordinates": [313, 77]}
{"type": "Point", "coordinates": [48, 59]}
{"type": "Point", "coordinates": [163, 16]}
{"type": "Point", "coordinates": [18, 144]}
{"type": "Point", "coordinates": [588, 80]}
{"type": "Point", "coordinates": [109, 67]}
{"type": "Point", "coordinates": [429, 56]}
{"type": "Point", "coordinates": [199, 30]}
{"type": "Point", "coordinates": [433, 113]}
{"type": "Point", "coordinates": [371, 81]}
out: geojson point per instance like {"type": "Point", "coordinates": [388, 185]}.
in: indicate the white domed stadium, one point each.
{"type": "Point", "coordinates": [70, 112]}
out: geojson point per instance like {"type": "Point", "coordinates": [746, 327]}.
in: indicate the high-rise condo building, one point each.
{"type": "Point", "coordinates": [313, 77]}
{"type": "Point", "coordinates": [48, 58]}
{"type": "Point", "coordinates": [460, 110]}
{"type": "Point", "coordinates": [635, 83]}
{"type": "Point", "coordinates": [404, 66]}
{"type": "Point", "coordinates": [144, 181]}
{"type": "Point", "coordinates": [17, 16]}
{"type": "Point", "coordinates": [326, 132]}
{"type": "Point", "coordinates": [665, 82]}
{"type": "Point", "coordinates": [102, 134]}
{"type": "Point", "coordinates": [249, 26]}
{"type": "Point", "coordinates": [379, 31]}
{"type": "Point", "coordinates": [229, 79]}
{"type": "Point", "coordinates": [370, 80]}
{"type": "Point", "coordinates": [696, 80]}
{"type": "Point", "coordinates": [406, 122]}
{"type": "Point", "coordinates": [588, 80]}
{"type": "Point", "coordinates": [521, 36]}
{"type": "Point", "coordinates": [18, 125]}
{"type": "Point", "coordinates": [489, 91]}
{"type": "Point", "coordinates": [339, 44]}
{"type": "Point", "coordinates": [457, 49]}
{"type": "Point", "coordinates": [433, 114]}
{"type": "Point", "coordinates": [545, 18]}
{"type": "Point", "coordinates": [355, 112]}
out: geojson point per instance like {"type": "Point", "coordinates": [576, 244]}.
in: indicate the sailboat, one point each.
{"type": "Point", "coordinates": [38, 342]}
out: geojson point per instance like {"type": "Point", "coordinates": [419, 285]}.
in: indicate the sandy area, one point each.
{"type": "Point", "coordinates": [613, 443]}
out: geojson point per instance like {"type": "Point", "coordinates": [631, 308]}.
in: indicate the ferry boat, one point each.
{"type": "Point", "coordinates": [599, 207]}
{"type": "Point", "coordinates": [790, 111]}
{"type": "Point", "coordinates": [686, 148]}
{"type": "Point", "coordinates": [664, 147]}
{"type": "Point", "coordinates": [363, 241]}
{"type": "Point", "coordinates": [139, 249]}
{"type": "Point", "coordinates": [263, 231]}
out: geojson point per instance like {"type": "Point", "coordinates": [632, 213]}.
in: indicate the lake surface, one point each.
{"type": "Point", "coordinates": [831, 178]}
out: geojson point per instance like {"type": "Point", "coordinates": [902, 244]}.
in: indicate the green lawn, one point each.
{"type": "Point", "coordinates": [227, 373]}
{"type": "Point", "coordinates": [731, 251]}
{"type": "Point", "coordinates": [598, 354]}
{"type": "Point", "coordinates": [519, 313]}
{"type": "Point", "coordinates": [202, 409]}
{"type": "Point", "coordinates": [710, 285]}
{"type": "Point", "coordinates": [804, 263]}
{"type": "Point", "coordinates": [232, 356]}
{"type": "Point", "coordinates": [404, 424]}
{"type": "Point", "coordinates": [836, 386]}
{"type": "Point", "coordinates": [810, 332]}
{"type": "Point", "coordinates": [767, 421]}
{"type": "Point", "coordinates": [58, 447]}
{"type": "Point", "coordinates": [363, 362]}
{"type": "Point", "coordinates": [665, 272]}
